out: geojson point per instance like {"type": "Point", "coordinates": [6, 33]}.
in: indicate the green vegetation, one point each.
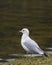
{"type": "Point", "coordinates": [31, 61]}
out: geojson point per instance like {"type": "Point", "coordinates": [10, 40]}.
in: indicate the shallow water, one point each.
{"type": "Point", "coordinates": [12, 57]}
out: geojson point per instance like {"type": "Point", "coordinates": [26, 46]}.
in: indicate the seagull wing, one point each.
{"type": "Point", "coordinates": [33, 46]}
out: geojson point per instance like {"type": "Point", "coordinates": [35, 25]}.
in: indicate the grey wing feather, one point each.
{"type": "Point", "coordinates": [32, 46]}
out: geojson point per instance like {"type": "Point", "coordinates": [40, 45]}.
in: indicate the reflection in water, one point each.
{"type": "Point", "coordinates": [7, 59]}
{"type": "Point", "coordinates": [49, 48]}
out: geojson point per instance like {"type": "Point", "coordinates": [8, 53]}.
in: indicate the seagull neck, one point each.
{"type": "Point", "coordinates": [25, 35]}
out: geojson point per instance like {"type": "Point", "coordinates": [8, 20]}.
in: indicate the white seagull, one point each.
{"type": "Point", "coordinates": [29, 45]}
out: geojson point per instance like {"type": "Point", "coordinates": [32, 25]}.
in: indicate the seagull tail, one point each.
{"type": "Point", "coordinates": [45, 55]}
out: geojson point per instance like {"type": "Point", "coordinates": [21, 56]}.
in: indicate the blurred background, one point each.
{"type": "Point", "coordinates": [36, 15]}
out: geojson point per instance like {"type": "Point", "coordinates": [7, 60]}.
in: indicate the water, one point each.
{"type": "Point", "coordinates": [35, 15]}
{"type": "Point", "coordinates": [3, 60]}
{"type": "Point", "coordinates": [12, 57]}
{"type": "Point", "coordinates": [49, 48]}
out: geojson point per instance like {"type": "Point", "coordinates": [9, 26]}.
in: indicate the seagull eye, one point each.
{"type": "Point", "coordinates": [23, 30]}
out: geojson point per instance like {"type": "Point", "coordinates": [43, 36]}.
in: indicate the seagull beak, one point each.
{"type": "Point", "coordinates": [20, 31]}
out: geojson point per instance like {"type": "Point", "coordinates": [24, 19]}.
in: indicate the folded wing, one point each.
{"type": "Point", "coordinates": [33, 46]}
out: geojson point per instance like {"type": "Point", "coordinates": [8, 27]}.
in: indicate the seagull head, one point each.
{"type": "Point", "coordinates": [25, 31]}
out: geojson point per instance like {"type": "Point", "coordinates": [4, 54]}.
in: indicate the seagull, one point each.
{"type": "Point", "coordinates": [29, 45]}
